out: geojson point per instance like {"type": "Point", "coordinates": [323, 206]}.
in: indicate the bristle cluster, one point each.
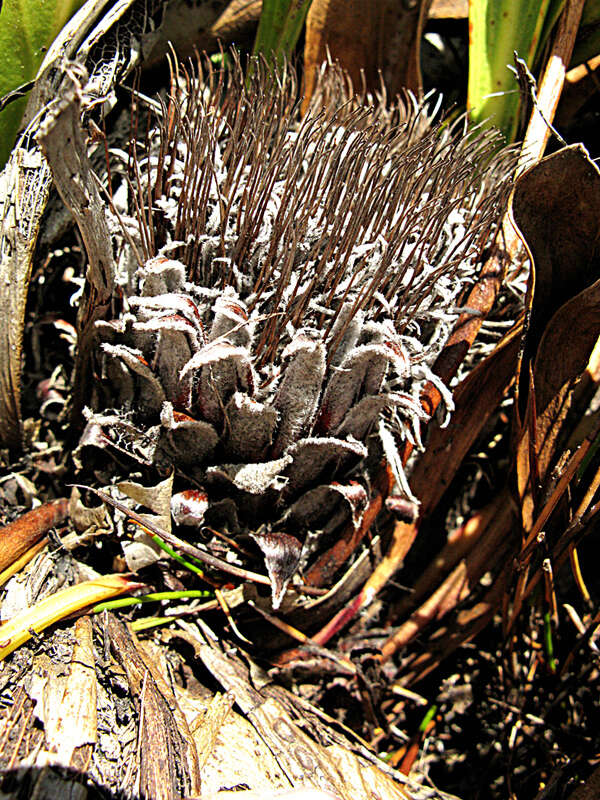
{"type": "Point", "coordinates": [288, 284]}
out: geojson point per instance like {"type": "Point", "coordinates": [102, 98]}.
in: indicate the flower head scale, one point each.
{"type": "Point", "coordinates": [287, 284]}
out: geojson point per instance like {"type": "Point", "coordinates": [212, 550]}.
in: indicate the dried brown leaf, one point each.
{"type": "Point", "coordinates": [306, 761]}
{"type": "Point", "coordinates": [158, 738]}
{"type": "Point", "coordinates": [465, 547]}
{"type": "Point", "coordinates": [479, 550]}
{"type": "Point", "coordinates": [366, 37]}
{"type": "Point", "coordinates": [24, 191]}
{"type": "Point", "coordinates": [168, 761]}
{"type": "Point", "coordinates": [142, 551]}
{"type": "Point", "coordinates": [64, 145]}
{"type": "Point", "coordinates": [588, 790]}
{"type": "Point", "coordinates": [70, 722]}
{"type": "Point", "coordinates": [556, 206]}
{"type": "Point", "coordinates": [475, 399]}
{"type": "Point", "coordinates": [447, 637]}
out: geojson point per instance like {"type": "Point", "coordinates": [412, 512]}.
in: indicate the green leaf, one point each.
{"type": "Point", "coordinates": [153, 597]}
{"type": "Point", "coordinates": [27, 28]}
{"type": "Point", "coordinates": [279, 27]}
{"type": "Point", "coordinates": [497, 29]}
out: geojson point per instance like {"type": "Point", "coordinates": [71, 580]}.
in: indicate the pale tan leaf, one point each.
{"type": "Point", "coordinates": [305, 761]}
{"type": "Point", "coordinates": [71, 726]}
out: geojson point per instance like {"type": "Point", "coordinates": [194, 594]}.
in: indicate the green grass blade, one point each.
{"type": "Point", "coordinates": [279, 27]}
{"type": "Point", "coordinates": [431, 712]}
{"type": "Point", "coordinates": [147, 623]}
{"type": "Point", "coordinates": [497, 29]}
{"type": "Point", "coordinates": [27, 28]}
{"type": "Point", "coordinates": [549, 643]}
{"type": "Point", "coordinates": [153, 597]}
{"type": "Point", "coordinates": [176, 557]}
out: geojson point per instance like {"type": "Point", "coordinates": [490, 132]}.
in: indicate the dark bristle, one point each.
{"type": "Point", "coordinates": [348, 207]}
{"type": "Point", "coordinates": [333, 187]}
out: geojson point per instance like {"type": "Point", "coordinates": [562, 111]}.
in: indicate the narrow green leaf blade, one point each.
{"type": "Point", "coordinates": [279, 27]}
{"type": "Point", "coordinates": [27, 28]}
{"type": "Point", "coordinates": [496, 29]}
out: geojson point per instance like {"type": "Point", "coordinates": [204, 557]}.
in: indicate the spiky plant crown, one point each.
{"type": "Point", "coordinates": [287, 284]}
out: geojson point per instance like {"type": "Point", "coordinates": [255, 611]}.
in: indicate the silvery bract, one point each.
{"type": "Point", "coordinates": [287, 284]}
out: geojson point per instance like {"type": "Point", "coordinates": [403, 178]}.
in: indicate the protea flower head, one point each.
{"type": "Point", "coordinates": [287, 283]}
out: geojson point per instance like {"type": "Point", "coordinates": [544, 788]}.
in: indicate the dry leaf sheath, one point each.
{"type": "Point", "coordinates": [287, 284]}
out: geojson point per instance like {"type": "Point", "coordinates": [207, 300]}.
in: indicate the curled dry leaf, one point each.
{"type": "Point", "coordinates": [63, 143]}
{"type": "Point", "coordinates": [556, 207]}
{"type": "Point", "coordinates": [142, 551]}
{"type": "Point", "coordinates": [157, 498]}
{"type": "Point", "coordinates": [88, 520]}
